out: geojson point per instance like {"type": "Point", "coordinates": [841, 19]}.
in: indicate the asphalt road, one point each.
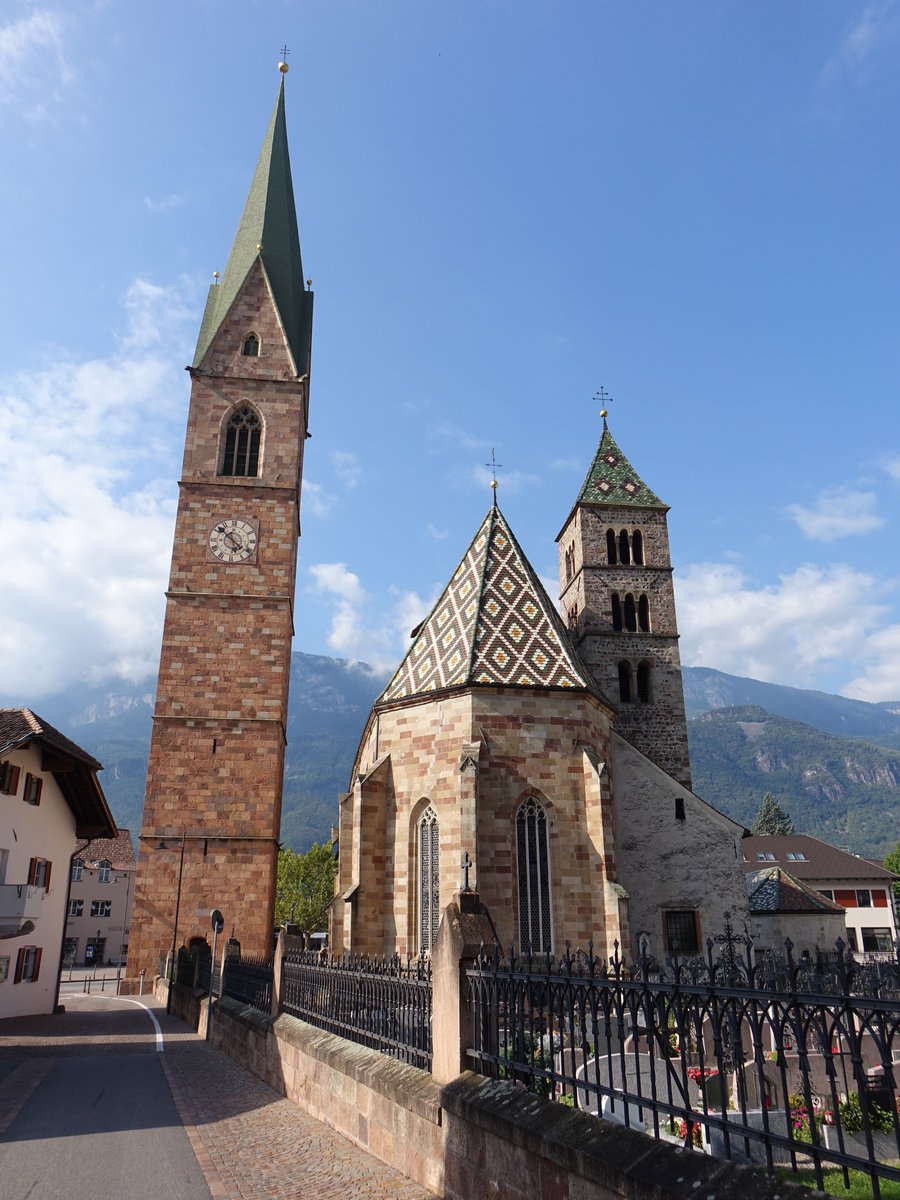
{"type": "Point", "coordinates": [100, 1119]}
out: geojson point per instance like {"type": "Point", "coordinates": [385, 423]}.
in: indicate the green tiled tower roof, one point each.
{"type": "Point", "coordinates": [494, 624]}
{"type": "Point", "coordinates": [269, 220]}
{"type": "Point", "coordinates": [613, 480]}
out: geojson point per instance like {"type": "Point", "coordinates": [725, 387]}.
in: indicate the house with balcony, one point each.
{"type": "Point", "coordinates": [101, 890]}
{"type": "Point", "coordinates": [50, 802]}
{"type": "Point", "coordinates": [862, 888]}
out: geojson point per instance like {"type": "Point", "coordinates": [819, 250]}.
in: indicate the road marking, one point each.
{"type": "Point", "coordinates": [160, 1046]}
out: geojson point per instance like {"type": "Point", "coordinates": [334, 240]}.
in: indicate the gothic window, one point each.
{"type": "Point", "coordinates": [637, 547]}
{"type": "Point", "coordinates": [624, 548]}
{"type": "Point", "coordinates": [630, 617]}
{"type": "Point", "coordinates": [429, 862]}
{"type": "Point", "coordinates": [643, 682]}
{"type": "Point", "coordinates": [611, 547]}
{"type": "Point", "coordinates": [242, 443]}
{"type": "Point", "coordinates": [625, 690]}
{"type": "Point", "coordinates": [616, 611]}
{"type": "Point", "coordinates": [532, 847]}
{"type": "Point", "coordinates": [250, 348]}
{"type": "Point", "coordinates": [644, 614]}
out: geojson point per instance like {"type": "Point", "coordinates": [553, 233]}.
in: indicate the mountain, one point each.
{"type": "Point", "coordinates": [706, 690]}
{"type": "Point", "coordinates": [830, 762]}
{"type": "Point", "coordinates": [843, 790]}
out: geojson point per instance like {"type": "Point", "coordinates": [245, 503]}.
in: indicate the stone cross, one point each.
{"type": "Point", "coordinates": [466, 865]}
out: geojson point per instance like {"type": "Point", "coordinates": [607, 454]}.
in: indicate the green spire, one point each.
{"type": "Point", "coordinates": [269, 220]}
{"type": "Point", "coordinates": [613, 480]}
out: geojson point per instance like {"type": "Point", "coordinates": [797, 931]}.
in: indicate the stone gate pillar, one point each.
{"type": "Point", "coordinates": [465, 926]}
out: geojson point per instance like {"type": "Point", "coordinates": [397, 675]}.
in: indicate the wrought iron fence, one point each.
{"type": "Point", "coordinates": [776, 1061]}
{"type": "Point", "coordinates": [381, 1003]}
{"type": "Point", "coordinates": [249, 980]}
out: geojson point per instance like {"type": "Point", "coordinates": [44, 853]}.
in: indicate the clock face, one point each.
{"type": "Point", "coordinates": [233, 540]}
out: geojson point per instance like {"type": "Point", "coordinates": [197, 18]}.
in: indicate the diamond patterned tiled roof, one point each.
{"type": "Point", "coordinates": [494, 624]}
{"type": "Point", "coordinates": [613, 480]}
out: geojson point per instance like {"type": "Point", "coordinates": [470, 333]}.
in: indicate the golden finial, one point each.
{"type": "Point", "coordinates": [282, 66]}
{"type": "Point", "coordinates": [259, 247]}
{"type": "Point", "coordinates": [216, 276]}
{"type": "Point", "coordinates": [605, 398]}
{"type": "Point", "coordinates": [309, 284]}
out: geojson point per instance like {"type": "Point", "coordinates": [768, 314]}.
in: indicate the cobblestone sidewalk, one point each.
{"type": "Point", "coordinates": [252, 1144]}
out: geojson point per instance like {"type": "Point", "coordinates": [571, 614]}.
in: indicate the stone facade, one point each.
{"type": "Point", "coordinates": [217, 751]}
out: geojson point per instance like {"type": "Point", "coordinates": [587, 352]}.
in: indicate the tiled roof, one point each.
{"type": "Point", "coordinates": [613, 480]}
{"type": "Point", "coordinates": [493, 625]}
{"type": "Point", "coordinates": [19, 726]}
{"type": "Point", "coordinates": [820, 861]}
{"type": "Point", "coordinates": [773, 889]}
{"type": "Point", "coordinates": [118, 850]}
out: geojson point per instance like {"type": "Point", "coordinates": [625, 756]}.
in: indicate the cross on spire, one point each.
{"type": "Point", "coordinates": [495, 467]}
{"type": "Point", "coordinates": [284, 53]}
{"type": "Point", "coordinates": [605, 398]}
{"type": "Point", "coordinates": [466, 865]}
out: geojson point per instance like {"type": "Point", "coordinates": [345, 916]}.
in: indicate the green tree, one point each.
{"type": "Point", "coordinates": [305, 888]}
{"type": "Point", "coordinates": [771, 818]}
{"type": "Point", "coordinates": [892, 863]}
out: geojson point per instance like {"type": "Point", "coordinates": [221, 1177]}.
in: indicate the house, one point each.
{"type": "Point", "coordinates": [101, 891]}
{"type": "Point", "coordinates": [50, 798]}
{"type": "Point", "coordinates": [541, 760]}
{"type": "Point", "coordinates": [860, 887]}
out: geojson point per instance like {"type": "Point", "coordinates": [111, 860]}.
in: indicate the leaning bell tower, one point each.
{"type": "Point", "coordinates": [212, 808]}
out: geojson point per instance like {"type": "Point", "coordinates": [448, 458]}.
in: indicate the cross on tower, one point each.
{"type": "Point", "coordinates": [284, 53]}
{"type": "Point", "coordinates": [466, 865]}
{"type": "Point", "coordinates": [605, 398]}
{"type": "Point", "coordinates": [495, 467]}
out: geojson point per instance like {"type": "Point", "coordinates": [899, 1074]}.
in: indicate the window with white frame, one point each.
{"type": "Point", "coordinates": [533, 865]}
{"type": "Point", "coordinates": [28, 964]}
{"type": "Point", "coordinates": [428, 854]}
{"type": "Point", "coordinates": [863, 898]}
{"type": "Point", "coordinates": [4, 968]}
{"type": "Point", "coordinates": [76, 908]}
{"type": "Point", "coordinates": [104, 867]}
{"type": "Point", "coordinates": [77, 870]}
{"type": "Point", "coordinates": [101, 908]}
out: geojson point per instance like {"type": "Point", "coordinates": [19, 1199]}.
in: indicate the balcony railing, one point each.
{"type": "Point", "coordinates": [20, 902]}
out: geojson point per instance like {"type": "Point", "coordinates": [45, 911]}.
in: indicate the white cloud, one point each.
{"type": "Point", "coordinates": [346, 466]}
{"type": "Point", "coordinates": [317, 498]}
{"type": "Point", "coordinates": [840, 512]}
{"type": "Point", "coordinates": [165, 204]}
{"type": "Point", "coordinates": [810, 621]}
{"type": "Point", "coordinates": [89, 506]}
{"type": "Point", "coordinates": [880, 678]}
{"type": "Point", "coordinates": [510, 482]}
{"type": "Point", "coordinates": [437, 534]}
{"type": "Point", "coordinates": [892, 467]}
{"type": "Point", "coordinates": [33, 64]}
{"type": "Point", "coordinates": [874, 29]}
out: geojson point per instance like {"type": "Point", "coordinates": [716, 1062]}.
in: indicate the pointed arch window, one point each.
{"type": "Point", "coordinates": [637, 548]}
{"type": "Point", "coordinates": [429, 865]}
{"type": "Point", "coordinates": [242, 438]}
{"type": "Point", "coordinates": [611, 547]}
{"type": "Point", "coordinates": [532, 849]}
{"type": "Point", "coordinates": [250, 346]}
{"type": "Point", "coordinates": [626, 691]}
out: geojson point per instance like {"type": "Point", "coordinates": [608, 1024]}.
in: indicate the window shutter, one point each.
{"type": "Point", "coordinates": [37, 965]}
{"type": "Point", "coordinates": [38, 788]}
{"type": "Point", "coordinates": [20, 962]}
{"type": "Point", "coordinates": [32, 872]}
{"type": "Point", "coordinates": [12, 784]}
{"type": "Point", "coordinates": [5, 770]}
{"type": "Point", "coordinates": [47, 876]}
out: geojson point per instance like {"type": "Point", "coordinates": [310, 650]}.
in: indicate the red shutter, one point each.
{"type": "Point", "coordinates": [845, 897]}
{"type": "Point", "coordinates": [37, 965]}
{"type": "Point", "coordinates": [20, 962]}
{"type": "Point", "coordinates": [32, 872]}
{"type": "Point", "coordinates": [28, 779]}
{"type": "Point", "coordinates": [12, 785]}
{"type": "Point", "coordinates": [879, 900]}
{"type": "Point", "coordinates": [47, 876]}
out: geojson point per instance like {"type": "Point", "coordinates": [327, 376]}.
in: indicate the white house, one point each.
{"type": "Point", "coordinates": [50, 798]}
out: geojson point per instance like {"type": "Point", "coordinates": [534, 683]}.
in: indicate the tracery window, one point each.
{"type": "Point", "coordinates": [250, 347]}
{"type": "Point", "coordinates": [429, 863]}
{"type": "Point", "coordinates": [532, 847]}
{"type": "Point", "coordinates": [242, 443]}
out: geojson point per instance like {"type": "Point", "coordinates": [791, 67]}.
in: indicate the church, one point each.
{"type": "Point", "coordinates": [542, 761]}
{"type": "Point", "coordinates": [548, 754]}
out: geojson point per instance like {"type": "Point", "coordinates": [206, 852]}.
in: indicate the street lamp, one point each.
{"type": "Point", "coordinates": [162, 846]}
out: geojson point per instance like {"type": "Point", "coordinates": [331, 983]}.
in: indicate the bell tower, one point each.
{"type": "Point", "coordinates": [618, 602]}
{"type": "Point", "coordinates": [217, 749]}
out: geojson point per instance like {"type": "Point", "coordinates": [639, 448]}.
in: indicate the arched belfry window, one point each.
{"type": "Point", "coordinates": [630, 616]}
{"type": "Point", "coordinates": [611, 547]}
{"type": "Point", "coordinates": [637, 547]}
{"type": "Point", "coordinates": [644, 614]}
{"type": "Point", "coordinates": [616, 612]}
{"type": "Point", "coordinates": [250, 346]}
{"type": "Point", "coordinates": [242, 437]}
{"type": "Point", "coordinates": [626, 693]}
{"type": "Point", "coordinates": [643, 682]}
{"type": "Point", "coordinates": [624, 548]}
{"type": "Point", "coordinates": [428, 853]}
{"type": "Point", "coordinates": [533, 855]}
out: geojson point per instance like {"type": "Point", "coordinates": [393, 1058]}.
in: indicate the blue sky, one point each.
{"type": "Point", "coordinates": [503, 206]}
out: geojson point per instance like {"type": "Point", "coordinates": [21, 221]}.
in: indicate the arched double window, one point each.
{"type": "Point", "coordinates": [533, 865]}
{"type": "Point", "coordinates": [428, 857]}
{"type": "Point", "coordinates": [242, 437]}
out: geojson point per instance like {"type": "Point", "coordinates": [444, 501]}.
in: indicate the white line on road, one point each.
{"type": "Point", "coordinates": [127, 1000]}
